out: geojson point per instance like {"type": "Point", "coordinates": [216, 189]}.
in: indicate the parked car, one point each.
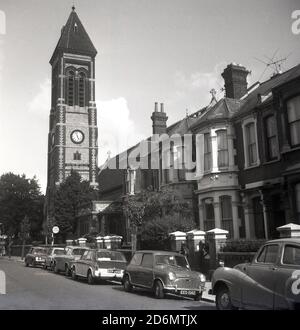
{"type": "Point", "coordinates": [62, 263]}
{"type": "Point", "coordinates": [163, 272]}
{"type": "Point", "coordinates": [270, 281]}
{"type": "Point", "coordinates": [36, 256]}
{"type": "Point", "coordinates": [52, 253]}
{"type": "Point", "coordinates": [99, 265]}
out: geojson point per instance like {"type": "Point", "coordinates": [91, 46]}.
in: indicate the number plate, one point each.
{"type": "Point", "coordinates": [116, 271]}
{"type": "Point", "coordinates": [188, 292]}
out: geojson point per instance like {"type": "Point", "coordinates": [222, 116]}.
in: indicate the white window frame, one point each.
{"type": "Point", "coordinates": [246, 155]}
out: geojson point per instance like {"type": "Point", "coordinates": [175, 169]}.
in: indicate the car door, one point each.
{"type": "Point", "coordinates": [86, 263]}
{"type": "Point", "coordinates": [145, 273]}
{"type": "Point", "coordinates": [288, 275]}
{"type": "Point", "coordinates": [134, 267]}
{"type": "Point", "coordinates": [259, 293]}
{"type": "Point", "coordinates": [81, 264]}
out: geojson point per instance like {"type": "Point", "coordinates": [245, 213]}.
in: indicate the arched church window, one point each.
{"type": "Point", "coordinates": [81, 88]}
{"type": "Point", "coordinates": [71, 88]}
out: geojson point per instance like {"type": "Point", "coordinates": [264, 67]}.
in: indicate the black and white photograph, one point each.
{"type": "Point", "coordinates": [150, 158]}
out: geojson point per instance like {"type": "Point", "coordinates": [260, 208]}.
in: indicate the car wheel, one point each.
{"type": "Point", "coordinates": [158, 290]}
{"type": "Point", "coordinates": [223, 299]}
{"type": "Point", "coordinates": [67, 271]}
{"type": "Point", "coordinates": [127, 285]}
{"type": "Point", "coordinates": [45, 266]}
{"type": "Point", "coordinates": [73, 274]}
{"type": "Point", "coordinates": [52, 266]}
{"type": "Point", "coordinates": [33, 264]}
{"type": "Point", "coordinates": [56, 270]}
{"type": "Point", "coordinates": [90, 278]}
{"type": "Point", "coordinates": [26, 263]}
{"type": "Point", "coordinates": [198, 296]}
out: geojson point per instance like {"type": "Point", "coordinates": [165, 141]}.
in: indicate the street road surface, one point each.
{"type": "Point", "coordinates": [35, 288]}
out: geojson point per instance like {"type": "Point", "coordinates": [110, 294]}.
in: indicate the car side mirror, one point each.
{"type": "Point", "coordinates": [221, 263]}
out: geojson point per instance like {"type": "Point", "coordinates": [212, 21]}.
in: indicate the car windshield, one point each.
{"type": "Point", "coordinates": [178, 261]}
{"type": "Point", "coordinates": [36, 251]}
{"type": "Point", "coordinates": [58, 252]}
{"type": "Point", "coordinates": [110, 255]}
{"type": "Point", "coordinates": [78, 252]}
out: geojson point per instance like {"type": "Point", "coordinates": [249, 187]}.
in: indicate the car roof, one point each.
{"type": "Point", "coordinates": [285, 240]}
{"type": "Point", "coordinates": [103, 250]}
{"type": "Point", "coordinates": [77, 247]}
{"type": "Point", "coordinates": [158, 252]}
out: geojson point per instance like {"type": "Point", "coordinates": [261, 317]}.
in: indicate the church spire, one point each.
{"type": "Point", "coordinates": [74, 38]}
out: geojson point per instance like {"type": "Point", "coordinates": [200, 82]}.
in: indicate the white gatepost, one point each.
{"type": "Point", "coordinates": [194, 237]}
{"type": "Point", "coordinates": [82, 241]}
{"type": "Point", "coordinates": [289, 231]}
{"type": "Point", "coordinates": [69, 242]}
{"type": "Point", "coordinates": [216, 239]}
{"type": "Point", "coordinates": [100, 242]}
{"type": "Point", "coordinates": [177, 239]}
{"type": "Point", "coordinates": [107, 242]}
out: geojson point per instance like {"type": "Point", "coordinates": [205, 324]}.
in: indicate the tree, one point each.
{"type": "Point", "coordinates": [24, 233]}
{"type": "Point", "coordinates": [70, 198]}
{"type": "Point", "coordinates": [20, 196]}
{"type": "Point", "coordinates": [154, 214]}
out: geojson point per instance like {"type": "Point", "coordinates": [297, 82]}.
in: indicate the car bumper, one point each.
{"type": "Point", "coordinates": [187, 292]}
{"type": "Point", "coordinates": [39, 262]}
{"type": "Point", "coordinates": [104, 275]}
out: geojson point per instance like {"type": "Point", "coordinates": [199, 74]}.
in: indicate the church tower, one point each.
{"type": "Point", "coordinates": [73, 132]}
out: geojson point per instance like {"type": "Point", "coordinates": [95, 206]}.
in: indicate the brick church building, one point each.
{"type": "Point", "coordinates": [73, 132]}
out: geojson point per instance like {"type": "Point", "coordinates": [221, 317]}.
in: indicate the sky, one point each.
{"type": "Point", "coordinates": [170, 51]}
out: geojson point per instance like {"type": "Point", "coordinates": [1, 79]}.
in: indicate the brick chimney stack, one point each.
{"type": "Point", "coordinates": [235, 77]}
{"type": "Point", "coordinates": [159, 120]}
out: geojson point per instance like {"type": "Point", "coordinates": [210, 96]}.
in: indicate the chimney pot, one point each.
{"type": "Point", "coordinates": [155, 106]}
{"type": "Point", "coordinates": [162, 107]}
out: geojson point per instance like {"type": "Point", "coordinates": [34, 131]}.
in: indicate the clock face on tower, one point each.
{"type": "Point", "coordinates": [77, 136]}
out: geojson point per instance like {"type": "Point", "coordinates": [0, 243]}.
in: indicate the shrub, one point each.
{"type": "Point", "coordinates": [242, 245]}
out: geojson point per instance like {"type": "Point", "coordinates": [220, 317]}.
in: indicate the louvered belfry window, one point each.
{"type": "Point", "coordinates": [71, 88]}
{"type": "Point", "coordinates": [81, 88]}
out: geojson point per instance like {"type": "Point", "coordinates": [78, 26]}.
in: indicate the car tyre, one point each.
{"type": "Point", "coordinates": [158, 290]}
{"type": "Point", "coordinates": [198, 296]}
{"type": "Point", "coordinates": [56, 270]}
{"type": "Point", "coordinates": [67, 271]}
{"type": "Point", "coordinates": [73, 274]}
{"type": "Point", "coordinates": [127, 285]}
{"type": "Point", "coordinates": [26, 263]}
{"type": "Point", "coordinates": [223, 299]}
{"type": "Point", "coordinates": [90, 278]}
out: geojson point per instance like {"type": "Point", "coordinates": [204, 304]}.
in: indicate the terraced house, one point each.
{"type": "Point", "coordinates": [246, 151]}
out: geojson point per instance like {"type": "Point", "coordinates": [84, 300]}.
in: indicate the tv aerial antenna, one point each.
{"type": "Point", "coordinates": [275, 64]}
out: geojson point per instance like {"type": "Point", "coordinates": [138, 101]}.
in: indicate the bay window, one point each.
{"type": "Point", "coordinates": [207, 152]}
{"type": "Point", "coordinates": [222, 142]}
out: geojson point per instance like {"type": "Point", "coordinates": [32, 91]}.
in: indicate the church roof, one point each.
{"type": "Point", "coordinates": [74, 38]}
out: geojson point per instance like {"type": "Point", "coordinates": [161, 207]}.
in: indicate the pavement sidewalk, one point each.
{"type": "Point", "coordinates": [12, 258]}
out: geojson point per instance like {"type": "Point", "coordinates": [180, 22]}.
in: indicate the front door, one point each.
{"type": "Point", "coordinates": [259, 293]}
